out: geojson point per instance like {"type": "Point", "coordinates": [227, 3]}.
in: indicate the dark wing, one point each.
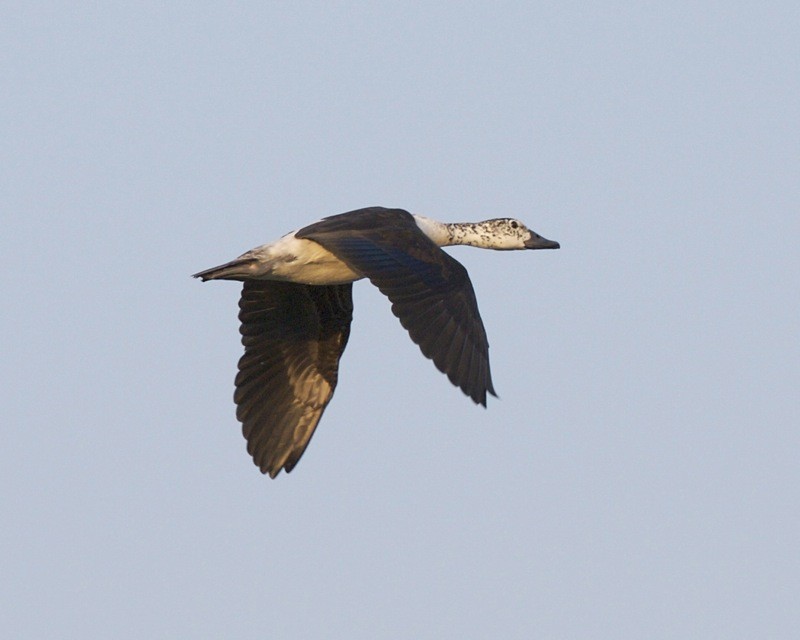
{"type": "Point", "coordinates": [430, 291]}
{"type": "Point", "coordinates": [293, 337]}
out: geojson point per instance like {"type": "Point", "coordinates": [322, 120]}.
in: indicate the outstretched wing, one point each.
{"type": "Point", "coordinates": [430, 291]}
{"type": "Point", "coordinates": [293, 337]}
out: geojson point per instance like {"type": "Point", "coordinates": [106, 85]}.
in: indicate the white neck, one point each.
{"type": "Point", "coordinates": [435, 230]}
{"type": "Point", "coordinates": [485, 235]}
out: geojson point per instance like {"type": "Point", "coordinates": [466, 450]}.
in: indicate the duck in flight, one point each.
{"type": "Point", "coordinates": [296, 307]}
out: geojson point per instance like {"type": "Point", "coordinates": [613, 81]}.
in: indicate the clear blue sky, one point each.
{"type": "Point", "coordinates": [638, 477]}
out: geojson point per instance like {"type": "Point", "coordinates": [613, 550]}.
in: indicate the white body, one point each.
{"type": "Point", "coordinates": [298, 260]}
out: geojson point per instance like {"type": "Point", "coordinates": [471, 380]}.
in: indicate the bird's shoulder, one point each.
{"type": "Point", "coordinates": [373, 221]}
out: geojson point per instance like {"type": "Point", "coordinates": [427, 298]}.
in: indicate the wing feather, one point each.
{"type": "Point", "coordinates": [430, 291]}
{"type": "Point", "coordinates": [294, 336]}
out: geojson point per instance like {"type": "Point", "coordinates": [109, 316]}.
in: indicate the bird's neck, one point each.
{"type": "Point", "coordinates": [448, 234]}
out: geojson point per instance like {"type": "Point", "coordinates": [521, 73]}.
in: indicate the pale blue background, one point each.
{"type": "Point", "coordinates": [639, 477]}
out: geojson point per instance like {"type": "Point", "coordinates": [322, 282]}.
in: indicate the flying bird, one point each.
{"type": "Point", "coordinates": [296, 307]}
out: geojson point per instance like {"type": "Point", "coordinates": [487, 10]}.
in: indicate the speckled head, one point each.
{"type": "Point", "coordinates": [503, 234]}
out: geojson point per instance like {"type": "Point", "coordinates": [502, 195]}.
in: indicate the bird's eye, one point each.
{"type": "Point", "coordinates": [514, 224]}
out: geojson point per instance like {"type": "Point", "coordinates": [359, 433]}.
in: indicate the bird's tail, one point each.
{"type": "Point", "coordinates": [239, 269]}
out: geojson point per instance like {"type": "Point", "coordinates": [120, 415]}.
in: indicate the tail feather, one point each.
{"type": "Point", "coordinates": [239, 269]}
